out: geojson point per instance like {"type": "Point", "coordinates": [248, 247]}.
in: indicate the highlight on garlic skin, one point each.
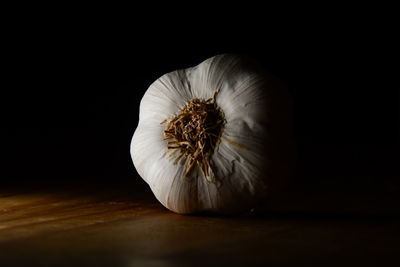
{"type": "Point", "coordinates": [215, 137]}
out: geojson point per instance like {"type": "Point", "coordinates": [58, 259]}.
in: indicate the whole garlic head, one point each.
{"type": "Point", "coordinates": [214, 137]}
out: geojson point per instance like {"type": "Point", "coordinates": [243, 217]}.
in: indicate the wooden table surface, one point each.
{"type": "Point", "coordinates": [123, 226]}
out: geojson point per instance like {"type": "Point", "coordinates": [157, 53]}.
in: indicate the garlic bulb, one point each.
{"type": "Point", "coordinates": [210, 137]}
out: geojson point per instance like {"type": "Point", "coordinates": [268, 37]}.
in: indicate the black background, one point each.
{"type": "Point", "coordinates": [73, 82]}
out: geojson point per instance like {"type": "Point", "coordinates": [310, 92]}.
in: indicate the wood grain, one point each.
{"type": "Point", "coordinates": [76, 226]}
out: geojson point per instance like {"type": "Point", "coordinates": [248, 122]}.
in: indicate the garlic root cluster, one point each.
{"type": "Point", "coordinates": [215, 137]}
{"type": "Point", "coordinates": [195, 132]}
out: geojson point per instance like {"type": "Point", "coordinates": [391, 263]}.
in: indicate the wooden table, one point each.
{"type": "Point", "coordinates": [124, 226]}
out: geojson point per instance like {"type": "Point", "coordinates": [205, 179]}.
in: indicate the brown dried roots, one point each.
{"type": "Point", "coordinates": [195, 131]}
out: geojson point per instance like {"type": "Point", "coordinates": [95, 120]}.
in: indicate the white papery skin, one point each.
{"type": "Point", "coordinates": [240, 160]}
